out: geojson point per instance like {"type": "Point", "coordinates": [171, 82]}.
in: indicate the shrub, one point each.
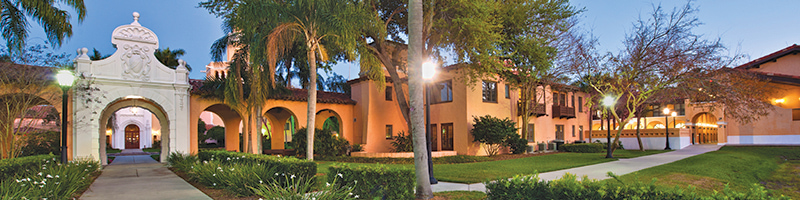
{"type": "Point", "coordinates": [517, 144]}
{"type": "Point", "coordinates": [51, 180]}
{"type": "Point", "coordinates": [569, 187]}
{"type": "Point", "coordinates": [284, 165]}
{"type": "Point", "coordinates": [238, 178]}
{"type": "Point", "coordinates": [301, 189]}
{"type": "Point", "coordinates": [438, 160]}
{"type": "Point", "coordinates": [371, 182]}
{"type": "Point", "coordinates": [39, 143]}
{"type": "Point", "coordinates": [13, 166]}
{"type": "Point", "coordinates": [403, 142]}
{"type": "Point", "coordinates": [493, 132]}
{"type": "Point", "coordinates": [324, 143]}
{"type": "Point", "coordinates": [357, 148]}
{"type": "Point", "coordinates": [583, 147]}
{"type": "Point", "coordinates": [181, 162]}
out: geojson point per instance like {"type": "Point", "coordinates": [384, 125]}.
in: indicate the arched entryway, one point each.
{"type": "Point", "coordinates": [132, 134]}
{"type": "Point", "coordinates": [329, 119]}
{"type": "Point", "coordinates": [704, 128]}
{"type": "Point", "coordinates": [281, 124]}
{"type": "Point", "coordinates": [220, 116]}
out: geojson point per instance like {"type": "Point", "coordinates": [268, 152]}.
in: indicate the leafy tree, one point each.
{"type": "Point", "coordinates": [36, 55]}
{"type": "Point", "coordinates": [56, 22]}
{"type": "Point", "coordinates": [494, 132]}
{"type": "Point", "coordinates": [327, 144]}
{"type": "Point", "coordinates": [217, 133]}
{"type": "Point", "coordinates": [201, 131]}
{"type": "Point", "coordinates": [96, 55]}
{"type": "Point", "coordinates": [535, 34]}
{"type": "Point", "coordinates": [662, 56]}
{"type": "Point", "coordinates": [22, 87]}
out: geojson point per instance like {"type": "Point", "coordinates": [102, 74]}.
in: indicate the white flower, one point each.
{"type": "Point", "coordinates": [340, 175]}
{"type": "Point", "coordinates": [351, 194]}
{"type": "Point", "coordinates": [41, 186]}
{"type": "Point", "coordinates": [260, 181]}
{"type": "Point", "coordinates": [215, 184]}
{"type": "Point", "coordinates": [327, 184]}
{"type": "Point", "coordinates": [231, 169]}
{"type": "Point", "coordinates": [48, 176]}
{"type": "Point", "coordinates": [214, 175]}
{"type": "Point", "coordinates": [276, 174]}
{"type": "Point", "coordinates": [40, 173]}
{"type": "Point", "coordinates": [292, 176]}
{"type": "Point", "coordinates": [56, 176]}
{"type": "Point", "coordinates": [229, 159]}
{"type": "Point", "coordinates": [18, 181]}
{"type": "Point", "coordinates": [355, 196]}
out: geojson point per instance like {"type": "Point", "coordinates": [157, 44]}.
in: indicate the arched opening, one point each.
{"type": "Point", "coordinates": [29, 125]}
{"type": "Point", "coordinates": [279, 125]}
{"type": "Point", "coordinates": [704, 128]}
{"type": "Point", "coordinates": [137, 106]}
{"type": "Point", "coordinates": [655, 125]}
{"type": "Point", "coordinates": [119, 131]}
{"type": "Point", "coordinates": [218, 128]}
{"type": "Point", "coordinates": [329, 119]}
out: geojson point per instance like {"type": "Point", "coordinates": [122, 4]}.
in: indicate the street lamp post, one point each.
{"type": "Point", "coordinates": [666, 127]}
{"type": "Point", "coordinates": [608, 102]}
{"type": "Point", "coordinates": [428, 71]}
{"type": "Point", "coordinates": [65, 79]}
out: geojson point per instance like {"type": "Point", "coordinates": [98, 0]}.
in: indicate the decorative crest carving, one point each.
{"type": "Point", "coordinates": [136, 63]}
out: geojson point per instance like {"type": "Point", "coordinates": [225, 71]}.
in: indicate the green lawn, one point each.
{"type": "Point", "coordinates": [621, 153]}
{"type": "Point", "coordinates": [461, 195]}
{"type": "Point", "coordinates": [152, 150]}
{"type": "Point", "coordinates": [740, 167]}
{"type": "Point", "coordinates": [113, 150]}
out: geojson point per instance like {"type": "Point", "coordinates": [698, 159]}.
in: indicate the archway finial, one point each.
{"type": "Point", "coordinates": [136, 19]}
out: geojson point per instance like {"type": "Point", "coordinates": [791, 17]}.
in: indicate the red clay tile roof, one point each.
{"type": "Point", "coordinates": [771, 57]}
{"type": "Point", "coordinates": [322, 97]}
{"type": "Point", "coordinates": [778, 77]}
{"type": "Point", "coordinates": [297, 95]}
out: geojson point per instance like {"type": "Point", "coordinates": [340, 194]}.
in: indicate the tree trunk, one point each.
{"type": "Point", "coordinates": [312, 101]}
{"type": "Point", "coordinates": [415, 90]}
{"type": "Point", "coordinates": [398, 86]}
{"type": "Point", "coordinates": [638, 135]}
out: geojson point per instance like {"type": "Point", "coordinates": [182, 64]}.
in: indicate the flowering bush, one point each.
{"type": "Point", "coordinates": [50, 180]}
{"type": "Point", "coordinates": [181, 162]}
{"type": "Point", "coordinates": [285, 165]}
{"type": "Point", "coordinates": [238, 178]}
{"type": "Point", "coordinates": [14, 166]}
{"type": "Point", "coordinates": [301, 189]}
{"type": "Point", "coordinates": [372, 182]}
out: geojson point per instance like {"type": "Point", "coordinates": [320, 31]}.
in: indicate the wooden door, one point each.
{"type": "Point", "coordinates": [131, 137]}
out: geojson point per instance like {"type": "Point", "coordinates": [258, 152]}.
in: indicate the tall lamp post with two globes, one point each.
{"type": "Point", "coordinates": [608, 102]}
{"type": "Point", "coordinates": [428, 71]}
{"type": "Point", "coordinates": [65, 80]}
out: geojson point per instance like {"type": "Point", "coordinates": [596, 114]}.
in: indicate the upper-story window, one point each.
{"type": "Point", "coordinates": [559, 99]}
{"type": "Point", "coordinates": [680, 108]}
{"type": "Point", "coordinates": [388, 92]}
{"type": "Point", "coordinates": [580, 104]}
{"type": "Point", "coordinates": [572, 100]}
{"type": "Point", "coordinates": [508, 92]}
{"type": "Point", "coordinates": [489, 91]}
{"type": "Point", "coordinates": [442, 92]}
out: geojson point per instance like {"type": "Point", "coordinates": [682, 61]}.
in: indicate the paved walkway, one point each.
{"type": "Point", "coordinates": [599, 171]}
{"type": "Point", "coordinates": [140, 177]}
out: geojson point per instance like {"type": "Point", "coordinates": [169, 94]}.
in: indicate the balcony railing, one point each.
{"type": "Point", "coordinates": [535, 109]}
{"type": "Point", "coordinates": [563, 112]}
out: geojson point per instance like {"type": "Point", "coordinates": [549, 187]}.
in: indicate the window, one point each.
{"type": "Point", "coordinates": [559, 132]}
{"type": "Point", "coordinates": [555, 98]}
{"type": "Point", "coordinates": [796, 114]}
{"type": "Point", "coordinates": [563, 98]}
{"type": "Point", "coordinates": [580, 104]}
{"type": "Point", "coordinates": [434, 138]}
{"type": "Point", "coordinates": [680, 108]}
{"type": "Point", "coordinates": [444, 94]}
{"type": "Point", "coordinates": [530, 133]}
{"type": "Point", "coordinates": [489, 91]}
{"type": "Point", "coordinates": [573, 130]}
{"type": "Point", "coordinates": [658, 111]}
{"type": "Point", "coordinates": [447, 137]}
{"type": "Point", "coordinates": [573, 101]}
{"type": "Point", "coordinates": [508, 92]}
{"type": "Point", "coordinates": [388, 93]}
{"type": "Point", "coordinates": [389, 132]}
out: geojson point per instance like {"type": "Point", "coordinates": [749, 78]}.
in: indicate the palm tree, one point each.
{"type": "Point", "coordinates": [56, 22]}
{"type": "Point", "coordinates": [314, 23]}
{"type": "Point", "coordinates": [170, 57]}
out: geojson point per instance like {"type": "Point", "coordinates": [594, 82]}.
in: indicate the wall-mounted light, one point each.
{"type": "Point", "coordinates": [780, 100]}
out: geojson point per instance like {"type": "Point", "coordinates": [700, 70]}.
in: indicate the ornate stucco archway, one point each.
{"type": "Point", "coordinates": [132, 76]}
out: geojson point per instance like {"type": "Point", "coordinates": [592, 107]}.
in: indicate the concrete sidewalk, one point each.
{"type": "Point", "coordinates": [140, 177]}
{"type": "Point", "coordinates": [599, 171]}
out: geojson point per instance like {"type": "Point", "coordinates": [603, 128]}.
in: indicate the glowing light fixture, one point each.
{"type": "Point", "coordinates": [428, 70]}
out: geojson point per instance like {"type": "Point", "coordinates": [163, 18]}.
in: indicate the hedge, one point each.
{"type": "Point", "coordinates": [583, 147]}
{"type": "Point", "coordinates": [371, 182]}
{"type": "Point", "coordinates": [14, 166]}
{"type": "Point", "coordinates": [288, 165]}
{"type": "Point", "coordinates": [569, 187]}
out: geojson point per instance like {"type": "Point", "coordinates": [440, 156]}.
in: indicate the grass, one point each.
{"type": "Point", "coordinates": [113, 150]}
{"type": "Point", "coordinates": [739, 167]}
{"type": "Point", "coordinates": [156, 157]}
{"type": "Point", "coordinates": [461, 195]}
{"type": "Point", "coordinates": [152, 150]}
{"type": "Point", "coordinates": [489, 170]}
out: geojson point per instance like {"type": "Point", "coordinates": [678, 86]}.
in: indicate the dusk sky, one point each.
{"type": "Point", "coordinates": [754, 28]}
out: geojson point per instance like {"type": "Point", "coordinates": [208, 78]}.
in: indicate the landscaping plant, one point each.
{"type": "Point", "coordinates": [493, 132]}
{"type": "Point", "coordinates": [325, 143]}
{"type": "Point", "coordinates": [50, 180]}
{"type": "Point", "coordinates": [403, 142]}
{"type": "Point", "coordinates": [301, 189]}
{"type": "Point", "coordinates": [238, 178]}
{"type": "Point", "coordinates": [374, 182]}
